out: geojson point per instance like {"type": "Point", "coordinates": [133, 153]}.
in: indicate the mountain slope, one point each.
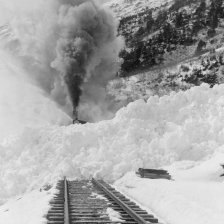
{"type": "Point", "coordinates": [126, 8]}
{"type": "Point", "coordinates": [170, 46]}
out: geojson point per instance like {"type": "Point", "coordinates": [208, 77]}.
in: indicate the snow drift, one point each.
{"type": "Point", "coordinates": [36, 149]}
{"type": "Point", "coordinates": [184, 202]}
{"type": "Point", "coordinates": [182, 126]}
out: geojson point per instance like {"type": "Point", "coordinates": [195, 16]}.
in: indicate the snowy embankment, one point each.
{"type": "Point", "coordinates": [27, 209]}
{"type": "Point", "coordinates": [185, 126]}
{"type": "Point", "coordinates": [22, 106]}
{"type": "Point", "coordinates": [195, 196]}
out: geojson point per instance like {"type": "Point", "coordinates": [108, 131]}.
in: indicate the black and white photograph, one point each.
{"type": "Point", "coordinates": [112, 111]}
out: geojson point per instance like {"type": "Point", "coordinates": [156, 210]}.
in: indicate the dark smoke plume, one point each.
{"type": "Point", "coordinates": [86, 31]}
{"type": "Point", "coordinates": [67, 46]}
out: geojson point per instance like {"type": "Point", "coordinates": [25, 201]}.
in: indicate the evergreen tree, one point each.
{"type": "Point", "coordinates": [149, 22]}
{"type": "Point", "coordinates": [200, 11]}
{"type": "Point", "coordinates": [179, 20]}
{"type": "Point", "coordinates": [215, 12]}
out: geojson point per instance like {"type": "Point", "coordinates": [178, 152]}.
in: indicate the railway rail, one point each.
{"type": "Point", "coordinates": [95, 201]}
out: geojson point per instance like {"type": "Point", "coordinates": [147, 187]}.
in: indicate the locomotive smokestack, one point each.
{"type": "Point", "coordinates": [75, 115]}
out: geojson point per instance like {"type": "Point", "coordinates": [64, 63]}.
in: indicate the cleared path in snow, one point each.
{"type": "Point", "coordinates": [94, 202]}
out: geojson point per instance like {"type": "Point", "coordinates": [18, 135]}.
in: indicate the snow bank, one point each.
{"type": "Point", "coordinates": [182, 201]}
{"type": "Point", "coordinates": [22, 106]}
{"type": "Point", "coordinates": [30, 208]}
{"type": "Point", "coordinates": [195, 195]}
{"type": "Point", "coordinates": [182, 126]}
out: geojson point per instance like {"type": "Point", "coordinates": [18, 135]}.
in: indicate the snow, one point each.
{"type": "Point", "coordinates": [194, 196]}
{"type": "Point", "coordinates": [114, 215]}
{"type": "Point", "coordinates": [182, 132]}
{"type": "Point", "coordinates": [27, 209]}
{"type": "Point", "coordinates": [22, 106]}
{"type": "Point", "coordinates": [98, 196]}
{"type": "Point", "coordinates": [124, 8]}
{"type": "Point", "coordinates": [182, 126]}
{"type": "Point", "coordinates": [209, 170]}
{"type": "Point", "coordinates": [184, 201]}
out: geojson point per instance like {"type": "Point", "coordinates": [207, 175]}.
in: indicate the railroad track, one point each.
{"type": "Point", "coordinates": [95, 201]}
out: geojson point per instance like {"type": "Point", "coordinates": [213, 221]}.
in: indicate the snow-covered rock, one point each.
{"type": "Point", "coordinates": [124, 8]}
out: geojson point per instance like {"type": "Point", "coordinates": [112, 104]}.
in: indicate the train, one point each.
{"type": "Point", "coordinates": [75, 119]}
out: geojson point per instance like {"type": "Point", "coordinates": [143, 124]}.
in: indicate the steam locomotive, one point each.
{"type": "Point", "coordinates": [75, 117]}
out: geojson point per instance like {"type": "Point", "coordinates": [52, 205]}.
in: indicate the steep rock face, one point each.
{"type": "Point", "coordinates": [165, 33]}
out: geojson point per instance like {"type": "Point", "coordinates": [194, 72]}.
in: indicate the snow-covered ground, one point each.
{"type": "Point", "coordinates": [124, 8]}
{"type": "Point", "coordinates": [190, 198]}
{"type": "Point", "coordinates": [27, 209]}
{"type": "Point", "coordinates": [23, 107]}
{"type": "Point", "coordinates": [182, 131]}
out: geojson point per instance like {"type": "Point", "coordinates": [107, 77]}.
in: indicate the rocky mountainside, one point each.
{"type": "Point", "coordinates": [171, 45]}
{"type": "Point", "coordinates": [160, 34]}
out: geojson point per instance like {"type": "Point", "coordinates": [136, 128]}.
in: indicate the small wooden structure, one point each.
{"type": "Point", "coordinates": [153, 174]}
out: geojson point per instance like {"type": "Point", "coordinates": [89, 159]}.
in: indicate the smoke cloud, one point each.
{"type": "Point", "coordinates": [70, 47]}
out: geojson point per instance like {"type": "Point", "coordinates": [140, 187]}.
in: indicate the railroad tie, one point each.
{"type": "Point", "coordinates": [88, 201]}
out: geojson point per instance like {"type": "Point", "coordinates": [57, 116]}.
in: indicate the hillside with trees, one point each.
{"type": "Point", "coordinates": [154, 35]}
{"type": "Point", "coordinates": [172, 47]}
